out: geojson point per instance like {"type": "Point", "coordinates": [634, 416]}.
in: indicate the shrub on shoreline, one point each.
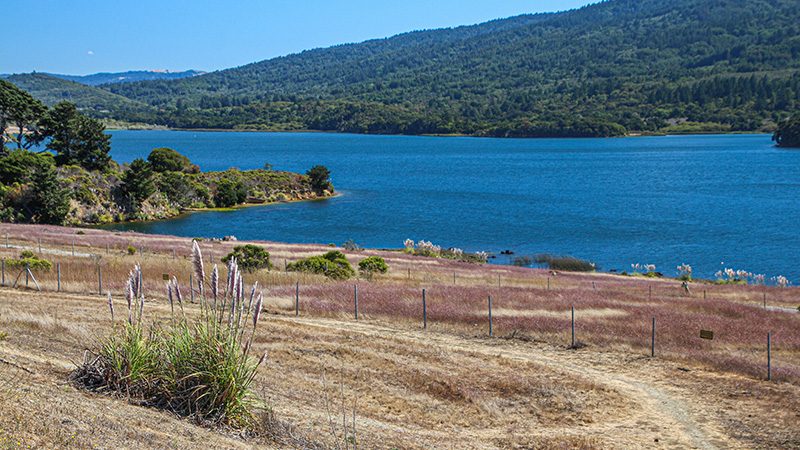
{"type": "Point", "coordinates": [430, 250]}
{"type": "Point", "coordinates": [565, 263]}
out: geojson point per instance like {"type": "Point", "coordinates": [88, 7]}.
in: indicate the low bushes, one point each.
{"type": "Point", "coordinates": [198, 368]}
{"type": "Point", "coordinates": [333, 265]}
{"type": "Point", "coordinates": [250, 258]}
{"type": "Point", "coordinates": [371, 265]}
{"type": "Point", "coordinates": [29, 259]}
{"type": "Point", "coordinates": [565, 263]}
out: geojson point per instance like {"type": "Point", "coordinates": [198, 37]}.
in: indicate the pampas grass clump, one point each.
{"type": "Point", "coordinates": [198, 368]}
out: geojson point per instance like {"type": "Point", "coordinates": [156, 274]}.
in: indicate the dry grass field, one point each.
{"type": "Point", "coordinates": [399, 386]}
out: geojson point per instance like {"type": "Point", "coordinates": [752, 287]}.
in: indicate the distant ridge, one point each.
{"type": "Point", "coordinates": [615, 67]}
{"type": "Point", "coordinates": [97, 79]}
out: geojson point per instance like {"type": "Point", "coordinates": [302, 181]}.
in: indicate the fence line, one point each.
{"type": "Point", "coordinates": [357, 311]}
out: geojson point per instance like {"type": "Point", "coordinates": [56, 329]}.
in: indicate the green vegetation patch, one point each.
{"type": "Point", "coordinates": [250, 258]}
{"type": "Point", "coordinates": [333, 264]}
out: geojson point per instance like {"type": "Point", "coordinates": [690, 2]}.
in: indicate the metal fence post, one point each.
{"type": "Point", "coordinates": [99, 280]}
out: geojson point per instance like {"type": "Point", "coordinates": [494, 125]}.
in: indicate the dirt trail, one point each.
{"type": "Point", "coordinates": [679, 420]}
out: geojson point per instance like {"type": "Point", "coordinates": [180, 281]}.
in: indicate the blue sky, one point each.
{"type": "Point", "coordinates": [82, 36]}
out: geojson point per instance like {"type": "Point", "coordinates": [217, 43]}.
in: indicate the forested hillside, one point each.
{"type": "Point", "coordinates": [91, 100]}
{"type": "Point", "coordinates": [615, 67]}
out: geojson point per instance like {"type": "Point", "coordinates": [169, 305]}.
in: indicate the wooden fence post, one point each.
{"type": "Point", "coordinates": [424, 311]}
{"type": "Point", "coordinates": [4, 271]}
{"type": "Point", "coordinates": [491, 329]}
{"type": "Point", "coordinates": [191, 281]}
{"type": "Point", "coordinates": [769, 356]}
{"type": "Point", "coordinates": [99, 280]}
{"type": "Point", "coordinates": [573, 327]}
{"type": "Point", "coordinates": [7, 244]}
{"type": "Point", "coordinates": [58, 277]}
{"type": "Point", "coordinates": [548, 283]}
{"type": "Point", "coordinates": [40, 246]}
{"type": "Point", "coordinates": [650, 295]}
{"type": "Point", "coordinates": [355, 299]}
{"type": "Point", "coordinates": [27, 271]}
{"type": "Point", "coordinates": [653, 340]}
{"type": "Point", "coordinates": [454, 277]}
{"type": "Point", "coordinates": [73, 247]}
{"type": "Point", "coordinates": [297, 299]}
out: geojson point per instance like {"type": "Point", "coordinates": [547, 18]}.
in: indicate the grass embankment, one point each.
{"type": "Point", "coordinates": [450, 385]}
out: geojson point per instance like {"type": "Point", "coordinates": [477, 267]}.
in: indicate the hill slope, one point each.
{"type": "Point", "coordinates": [131, 76]}
{"type": "Point", "coordinates": [91, 100]}
{"type": "Point", "coordinates": [633, 65]}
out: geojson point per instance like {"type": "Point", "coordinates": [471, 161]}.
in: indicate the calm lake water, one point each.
{"type": "Point", "coordinates": [710, 201]}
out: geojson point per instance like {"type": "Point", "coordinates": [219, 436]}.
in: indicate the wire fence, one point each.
{"type": "Point", "coordinates": [640, 318]}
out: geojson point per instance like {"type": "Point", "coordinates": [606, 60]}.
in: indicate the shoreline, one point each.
{"type": "Point", "coordinates": [189, 211]}
{"type": "Point", "coordinates": [451, 135]}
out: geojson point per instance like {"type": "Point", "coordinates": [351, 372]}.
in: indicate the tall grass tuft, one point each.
{"type": "Point", "coordinates": [198, 368]}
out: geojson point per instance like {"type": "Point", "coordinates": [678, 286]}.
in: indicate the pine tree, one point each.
{"type": "Point", "coordinates": [49, 202]}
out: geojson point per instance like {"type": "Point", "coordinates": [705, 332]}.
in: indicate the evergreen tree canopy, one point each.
{"type": "Point", "coordinates": [788, 134]}
{"type": "Point", "coordinates": [320, 178]}
{"type": "Point", "coordinates": [49, 202]}
{"type": "Point", "coordinates": [20, 109]}
{"type": "Point", "coordinates": [75, 138]}
{"type": "Point", "coordinates": [137, 183]}
{"type": "Point", "coordinates": [169, 160]}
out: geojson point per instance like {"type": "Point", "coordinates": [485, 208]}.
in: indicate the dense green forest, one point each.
{"type": "Point", "coordinates": [616, 67]}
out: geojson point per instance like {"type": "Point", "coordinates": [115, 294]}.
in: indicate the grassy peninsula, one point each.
{"type": "Point", "coordinates": [56, 169]}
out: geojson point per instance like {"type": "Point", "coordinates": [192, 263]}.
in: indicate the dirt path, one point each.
{"type": "Point", "coordinates": [679, 420]}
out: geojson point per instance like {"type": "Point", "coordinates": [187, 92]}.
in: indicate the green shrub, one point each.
{"type": "Point", "coordinates": [131, 250]}
{"type": "Point", "coordinates": [230, 192]}
{"type": "Point", "coordinates": [249, 257]}
{"type": "Point", "coordinates": [372, 265]}
{"type": "Point", "coordinates": [28, 259]}
{"type": "Point", "coordinates": [333, 265]}
{"type": "Point", "coordinates": [566, 263]}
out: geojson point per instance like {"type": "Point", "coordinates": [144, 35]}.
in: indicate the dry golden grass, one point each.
{"type": "Point", "coordinates": [448, 387]}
